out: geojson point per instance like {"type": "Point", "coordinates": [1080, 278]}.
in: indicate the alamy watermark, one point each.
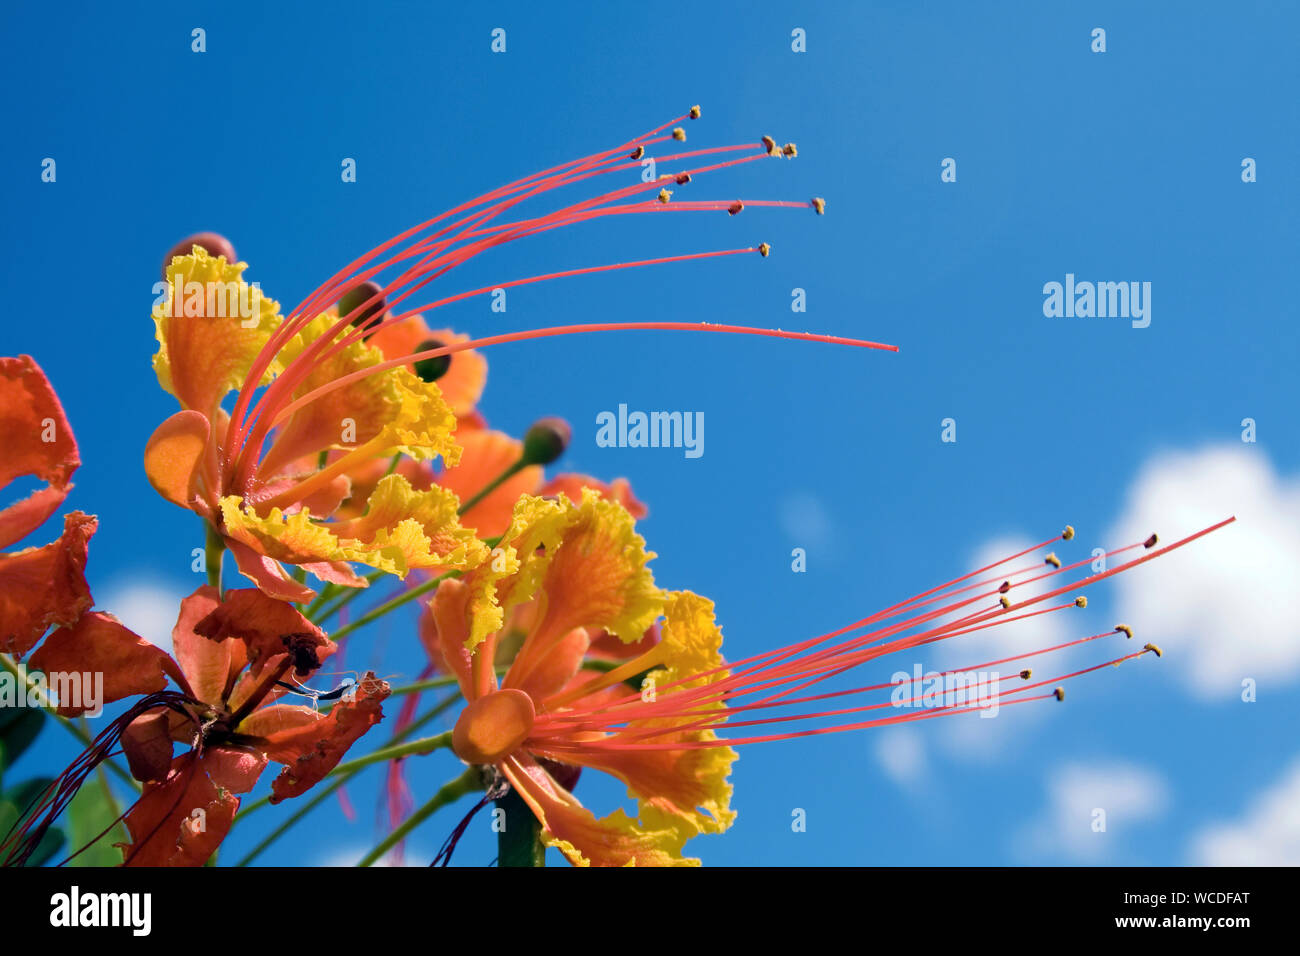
{"type": "Point", "coordinates": [82, 690]}
{"type": "Point", "coordinates": [1083, 300]}
{"type": "Point", "coordinates": [651, 430]}
{"type": "Point", "coordinates": [959, 690]}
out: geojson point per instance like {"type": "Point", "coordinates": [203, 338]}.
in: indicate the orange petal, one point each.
{"type": "Point", "coordinates": [38, 441]}
{"type": "Point", "coordinates": [100, 644]}
{"type": "Point", "coordinates": [204, 354]}
{"type": "Point", "coordinates": [616, 840]}
{"type": "Point", "coordinates": [173, 456]}
{"type": "Point", "coordinates": [620, 490]}
{"type": "Point", "coordinates": [484, 455]}
{"type": "Point", "coordinates": [182, 820]}
{"type": "Point", "coordinates": [45, 587]}
{"type": "Point", "coordinates": [268, 628]}
{"type": "Point", "coordinates": [267, 574]}
{"type": "Point", "coordinates": [462, 383]}
{"type": "Point", "coordinates": [555, 669]}
{"type": "Point", "coordinates": [311, 751]}
{"type": "Point", "coordinates": [208, 665]}
{"type": "Point", "coordinates": [448, 633]}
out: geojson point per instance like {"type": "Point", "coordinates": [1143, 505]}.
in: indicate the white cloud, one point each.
{"type": "Point", "coordinates": [1090, 808]}
{"type": "Point", "coordinates": [1267, 835]}
{"type": "Point", "coordinates": [973, 736]}
{"type": "Point", "coordinates": [1226, 607]}
{"type": "Point", "coordinates": [901, 754]}
{"type": "Point", "coordinates": [148, 607]}
{"type": "Point", "coordinates": [804, 520]}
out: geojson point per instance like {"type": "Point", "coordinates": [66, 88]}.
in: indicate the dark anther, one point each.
{"type": "Point", "coordinates": [432, 369]}
{"type": "Point", "coordinates": [359, 295]}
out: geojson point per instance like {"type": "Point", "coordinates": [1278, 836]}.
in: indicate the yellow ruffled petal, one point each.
{"type": "Point", "coordinates": [592, 571]}
{"type": "Point", "coordinates": [615, 840]}
{"type": "Point", "coordinates": [402, 529]}
{"type": "Point", "coordinates": [689, 785]}
{"type": "Point", "coordinates": [409, 414]}
{"type": "Point", "coordinates": [221, 323]}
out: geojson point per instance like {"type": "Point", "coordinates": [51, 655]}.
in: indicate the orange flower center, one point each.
{"type": "Point", "coordinates": [491, 727]}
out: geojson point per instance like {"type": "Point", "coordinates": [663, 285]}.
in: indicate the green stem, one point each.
{"type": "Point", "coordinates": [215, 548]}
{"type": "Point", "coordinates": [81, 734]}
{"type": "Point", "coordinates": [449, 792]}
{"type": "Point", "coordinates": [404, 598]}
{"type": "Point", "coordinates": [520, 841]}
{"type": "Point", "coordinates": [424, 745]}
{"type": "Point", "coordinates": [318, 615]}
{"type": "Point", "coordinates": [344, 773]}
{"type": "Point", "coordinates": [493, 485]}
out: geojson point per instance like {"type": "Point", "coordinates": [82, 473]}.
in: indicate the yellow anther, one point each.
{"type": "Point", "coordinates": [769, 144]}
{"type": "Point", "coordinates": [1157, 651]}
{"type": "Point", "coordinates": [1068, 533]}
{"type": "Point", "coordinates": [1125, 630]}
{"type": "Point", "coordinates": [819, 204]}
{"type": "Point", "coordinates": [764, 249]}
{"type": "Point", "coordinates": [664, 196]}
{"type": "Point", "coordinates": [1005, 601]}
{"type": "Point", "coordinates": [1081, 601]}
{"type": "Point", "coordinates": [1027, 673]}
{"type": "Point", "coordinates": [1059, 693]}
{"type": "Point", "coordinates": [638, 152]}
{"type": "Point", "coordinates": [1053, 560]}
{"type": "Point", "coordinates": [679, 134]}
{"type": "Point", "coordinates": [695, 112]}
{"type": "Point", "coordinates": [790, 150]}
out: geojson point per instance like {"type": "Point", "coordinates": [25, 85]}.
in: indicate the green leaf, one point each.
{"type": "Point", "coordinates": [49, 845]}
{"type": "Point", "coordinates": [24, 794]}
{"type": "Point", "coordinates": [91, 812]}
{"type": "Point", "coordinates": [18, 734]}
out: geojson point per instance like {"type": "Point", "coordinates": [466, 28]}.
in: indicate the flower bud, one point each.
{"type": "Point", "coordinates": [546, 440]}
{"type": "Point", "coordinates": [214, 244]}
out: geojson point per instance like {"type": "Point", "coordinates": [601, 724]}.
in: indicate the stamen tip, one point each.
{"type": "Point", "coordinates": [1154, 649]}
{"type": "Point", "coordinates": [1053, 560]}
{"type": "Point", "coordinates": [695, 111]}
{"type": "Point", "coordinates": [679, 134]}
{"type": "Point", "coordinates": [1005, 602]}
{"type": "Point", "coordinates": [764, 249]}
{"type": "Point", "coordinates": [1125, 630]}
{"type": "Point", "coordinates": [637, 153]}
{"type": "Point", "coordinates": [1027, 673]}
{"type": "Point", "coordinates": [790, 150]}
{"type": "Point", "coordinates": [664, 196]}
{"type": "Point", "coordinates": [1059, 693]}
{"type": "Point", "coordinates": [1150, 542]}
{"type": "Point", "coordinates": [1068, 533]}
{"type": "Point", "coordinates": [819, 205]}
{"type": "Point", "coordinates": [1004, 587]}
{"type": "Point", "coordinates": [735, 208]}
{"type": "Point", "coordinates": [769, 144]}
{"type": "Point", "coordinates": [1081, 601]}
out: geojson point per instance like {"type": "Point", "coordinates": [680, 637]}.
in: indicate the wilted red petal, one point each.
{"type": "Point", "coordinates": [310, 751]}
{"type": "Point", "coordinates": [208, 665]}
{"type": "Point", "coordinates": [38, 441]}
{"type": "Point", "coordinates": [45, 587]}
{"type": "Point", "coordinates": [266, 626]}
{"type": "Point", "coordinates": [100, 644]}
{"type": "Point", "coordinates": [182, 820]}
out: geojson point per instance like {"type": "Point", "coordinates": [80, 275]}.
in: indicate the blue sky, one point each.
{"type": "Point", "coordinates": [1117, 166]}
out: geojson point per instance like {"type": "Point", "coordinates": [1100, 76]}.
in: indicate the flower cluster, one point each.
{"type": "Point", "coordinates": [341, 443]}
